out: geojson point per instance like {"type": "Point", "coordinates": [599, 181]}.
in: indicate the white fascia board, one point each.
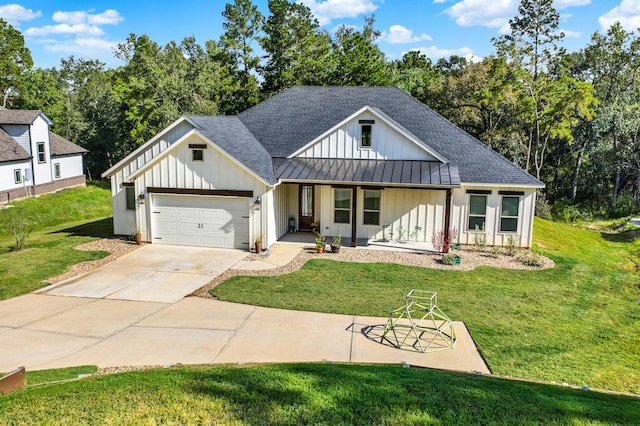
{"type": "Point", "coordinates": [502, 185]}
{"type": "Point", "coordinates": [380, 116]}
{"type": "Point", "coordinates": [143, 147]}
{"type": "Point", "coordinates": [179, 142]}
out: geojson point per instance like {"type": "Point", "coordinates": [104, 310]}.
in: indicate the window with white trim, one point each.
{"type": "Point", "coordinates": [509, 214]}
{"type": "Point", "coordinates": [197, 155]}
{"type": "Point", "coordinates": [371, 214]}
{"type": "Point", "coordinates": [41, 154]}
{"type": "Point", "coordinates": [56, 170]}
{"type": "Point", "coordinates": [17, 175]}
{"type": "Point", "coordinates": [477, 212]}
{"type": "Point", "coordinates": [342, 205]}
{"type": "Point", "coordinates": [365, 135]}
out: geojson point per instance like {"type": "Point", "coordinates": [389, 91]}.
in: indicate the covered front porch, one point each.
{"type": "Point", "coordinates": [307, 239]}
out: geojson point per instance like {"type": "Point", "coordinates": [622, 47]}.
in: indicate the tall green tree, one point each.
{"type": "Point", "coordinates": [359, 60]}
{"type": "Point", "coordinates": [242, 27]}
{"type": "Point", "coordinates": [15, 61]}
{"type": "Point", "coordinates": [416, 75]}
{"type": "Point", "coordinates": [298, 51]}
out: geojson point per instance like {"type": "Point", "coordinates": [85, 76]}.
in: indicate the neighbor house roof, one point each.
{"type": "Point", "coordinates": [21, 116]}
{"type": "Point", "coordinates": [10, 150]}
{"type": "Point", "coordinates": [286, 122]}
{"type": "Point", "coordinates": [61, 146]}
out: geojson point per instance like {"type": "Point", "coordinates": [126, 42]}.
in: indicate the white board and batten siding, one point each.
{"type": "Point", "coordinates": [526, 213]}
{"type": "Point", "coordinates": [399, 208]}
{"type": "Point", "coordinates": [28, 137]}
{"type": "Point", "coordinates": [124, 223]}
{"type": "Point", "coordinates": [215, 172]}
{"type": "Point", "coordinates": [386, 143]}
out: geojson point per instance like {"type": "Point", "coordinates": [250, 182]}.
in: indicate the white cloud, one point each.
{"type": "Point", "coordinates": [571, 34]}
{"type": "Point", "coordinates": [434, 52]}
{"type": "Point", "coordinates": [494, 14]}
{"type": "Point", "coordinates": [14, 13]}
{"type": "Point", "coordinates": [399, 35]}
{"type": "Point", "coordinates": [86, 46]}
{"type": "Point", "coordinates": [108, 17]}
{"type": "Point", "coordinates": [65, 29]}
{"type": "Point", "coordinates": [497, 13]}
{"type": "Point", "coordinates": [627, 13]}
{"type": "Point", "coordinates": [327, 10]}
{"type": "Point", "coordinates": [563, 4]}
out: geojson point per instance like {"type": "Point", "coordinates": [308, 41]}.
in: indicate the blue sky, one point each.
{"type": "Point", "coordinates": [439, 28]}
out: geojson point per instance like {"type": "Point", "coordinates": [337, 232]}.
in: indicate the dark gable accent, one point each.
{"type": "Point", "coordinates": [198, 145]}
{"type": "Point", "coordinates": [479, 191]}
{"type": "Point", "coordinates": [127, 184]}
{"type": "Point", "coordinates": [216, 192]}
{"type": "Point", "coordinates": [514, 193]}
{"type": "Point", "coordinates": [367, 121]}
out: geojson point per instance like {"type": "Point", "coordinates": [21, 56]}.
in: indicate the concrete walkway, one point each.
{"type": "Point", "coordinates": [65, 326]}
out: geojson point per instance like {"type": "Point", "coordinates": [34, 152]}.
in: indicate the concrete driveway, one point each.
{"type": "Point", "coordinates": [153, 273]}
{"type": "Point", "coordinates": [133, 312]}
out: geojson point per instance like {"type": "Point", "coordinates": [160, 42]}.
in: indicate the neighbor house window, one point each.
{"type": "Point", "coordinates": [41, 156]}
{"type": "Point", "coordinates": [477, 211]}
{"type": "Point", "coordinates": [197, 155]}
{"type": "Point", "coordinates": [131, 197]}
{"type": "Point", "coordinates": [342, 205]}
{"type": "Point", "coordinates": [509, 214]}
{"type": "Point", "coordinates": [17, 175]}
{"type": "Point", "coordinates": [365, 135]}
{"type": "Point", "coordinates": [371, 207]}
{"type": "Point", "coordinates": [56, 170]}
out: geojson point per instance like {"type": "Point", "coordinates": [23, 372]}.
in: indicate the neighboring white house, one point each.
{"type": "Point", "coordinates": [358, 161]}
{"type": "Point", "coordinates": [34, 160]}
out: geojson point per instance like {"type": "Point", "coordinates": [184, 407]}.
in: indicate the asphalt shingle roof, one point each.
{"type": "Point", "coordinates": [61, 146]}
{"type": "Point", "coordinates": [232, 136]}
{"type": "Point", "coordinates": [288, 121]}
{"type": "Point", "coordinates": [18, 116]}
{"type": "Point", "coordinates": [10, 150]}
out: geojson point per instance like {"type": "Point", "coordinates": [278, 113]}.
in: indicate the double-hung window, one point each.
{"type": "Point", "coordinates": [365, 136]}
{"type": "Point", "coordinates": [371, 214]}
{"type": "Point", "coordinates": [41, 154]}
{"type": "Point", "coordinates": [56, 170]}
{"type": "Point", "coordinates": [509, 214]}
{"type": "Point", "coordinates": [342, 205]}
{"type": "Point", "coordinates": [17, 176]}
{"type": "Point", "coordinates": [477, 212]}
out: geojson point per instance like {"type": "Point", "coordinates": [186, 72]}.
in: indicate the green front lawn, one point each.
{"type": "Point", "coordinates": [310, 394]}
{"type": "Point", "coordinates": [578, 322]}
{"type": "Point", "coordinates": [64, 221]}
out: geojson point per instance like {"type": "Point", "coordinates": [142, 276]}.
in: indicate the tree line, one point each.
{"type": "Point", "coordinates": [571, 119]}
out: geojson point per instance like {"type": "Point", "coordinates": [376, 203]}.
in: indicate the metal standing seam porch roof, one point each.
{"type": "Point", "coordinates": [384, 172]}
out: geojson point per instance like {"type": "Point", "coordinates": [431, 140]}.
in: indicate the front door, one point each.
{"type": "Point", "coordinates": [306, 207]}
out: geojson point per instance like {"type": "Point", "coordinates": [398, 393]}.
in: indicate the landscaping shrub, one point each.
{"type": "Point", "coordinates": [529, 258]}
{"type": "Point", "coordinates": [449, 259]}
{"type": "Point", "coordinates": [480, 239]}
{"type": "Point", "coordinates": [625, 206]}
{"type": "Point", "coordinates": [512, 245]}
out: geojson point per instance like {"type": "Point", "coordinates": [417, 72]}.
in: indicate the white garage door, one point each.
{"type": "Point", "coordinates": [201, 221]}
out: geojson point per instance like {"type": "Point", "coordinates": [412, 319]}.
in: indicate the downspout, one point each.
{"type": "Point", "coordinates": [354, 215]}
{"type": "Point", "coordinates": [447, 214]}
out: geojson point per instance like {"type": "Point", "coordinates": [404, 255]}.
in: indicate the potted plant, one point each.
{"type": "Point", "coordinates": [138, 236]}
{"type": "Point", "coordinates": [320, 243]}
{"type": "Point", "coordinates": [336, 244]}
{"type": "Point", "coordinates": [258, 244]}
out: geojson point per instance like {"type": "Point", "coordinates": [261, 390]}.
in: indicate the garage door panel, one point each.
{"type": "Point", "coordinates": [201, 221]}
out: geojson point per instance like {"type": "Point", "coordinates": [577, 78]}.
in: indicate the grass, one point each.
{"type": "Point", "coordinates": [575, 323]}
{"type": "Point", "coordinates": [310, 394]}
{"type": "Point", "coordinates": [39, 377]}
{"type": "Point", "coordinates": [64, 220]}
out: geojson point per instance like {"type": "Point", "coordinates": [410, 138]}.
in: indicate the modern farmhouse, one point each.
{"type": "Point", "coordinates": [34, 160]}
{"type": "Point", "coordinates": [362, 162]}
